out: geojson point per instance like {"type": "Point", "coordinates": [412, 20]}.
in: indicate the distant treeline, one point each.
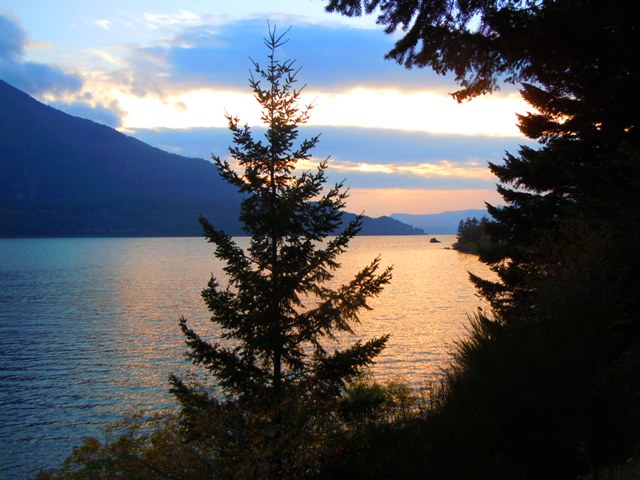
{"type": "Point", "coordinates": [472, 235]}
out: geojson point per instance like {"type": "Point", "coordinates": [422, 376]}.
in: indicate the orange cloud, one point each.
{"type": "Point", "coordinates": [471, 169]}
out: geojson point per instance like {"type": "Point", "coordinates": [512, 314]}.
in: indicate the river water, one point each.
{"type": "Point", "coordinates": [89, 327]}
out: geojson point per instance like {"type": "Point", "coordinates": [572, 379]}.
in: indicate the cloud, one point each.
{"type": "Point", "coordinates": [370, 158]}
{"type": "Point", "coordinates": [34, 78]}
{"type": "Point", "coordinates": [195, 142]}
{"type": "Point", "coordinates": [406, 177]}
{"type": "Point", "coordinates": [373, 145]}
{"type": "Point", "coordinates": [340, 58]}
{"type": "Point", "coordinates": [442, 169]}
{"type": "Point", "coordinates": [104, 24]}
{"type": "Point", "coordinates": [419, 110]}
{"type": "Point", "coordinates": [182, 17]}
{"type": "Point", "coordinates": [333, 56]}
{"type": "Point", "coordinates": [110, 115]}
{"type": "Point", "coordinates": [12, 39]}
{"type": "Point", "coordinates": [198, 55]}
{"type": "Point", "coordinates": [38, 78]}
{"type": "Point", "coordinates": [386, 171]}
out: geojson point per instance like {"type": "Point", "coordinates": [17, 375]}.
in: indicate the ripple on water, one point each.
{"type": "Point", "coordinates": [88, 328]}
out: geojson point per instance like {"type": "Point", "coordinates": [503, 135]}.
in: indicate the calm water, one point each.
{"type": "Point", "coordinates": [89, 328]}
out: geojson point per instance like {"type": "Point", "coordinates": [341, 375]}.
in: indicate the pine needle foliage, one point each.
{"type": "Point", "coordinates": [278, 314]}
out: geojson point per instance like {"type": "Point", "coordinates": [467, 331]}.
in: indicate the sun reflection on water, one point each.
{"type": "Point", "coordinates": [89, 327]}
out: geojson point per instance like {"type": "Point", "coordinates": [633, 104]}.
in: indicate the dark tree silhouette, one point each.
{"type": "Point", "coordinates": [550, 377]}
{"type": "Point", "coordinates": [471, 235]}
{"type": "Point", "coordinates": [572, 62]}
{"type": "Point", "coordinates": [278, 316]}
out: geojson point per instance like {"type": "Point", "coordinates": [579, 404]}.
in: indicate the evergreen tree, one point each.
{"type": "Point", "coordinates": [277, 361]}
{"type": "Point", "coordinates": [471, 236]}
{"type": "Point", "coordinates": [572, 62]}
{"type": "Point", "coordinates": [551, 377]}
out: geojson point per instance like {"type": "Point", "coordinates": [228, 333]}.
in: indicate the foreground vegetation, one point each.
{"type": "Point", "coordinates": [188, 444]}
{"type": "Point", "coordinates": [547, 383]}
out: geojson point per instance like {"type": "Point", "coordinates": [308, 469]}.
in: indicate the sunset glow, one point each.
{"type": "Point", "coordinates": [388, 109]}
{"type": "Point", "coordinates": [426, 111]}
{"type": "Point", "coordinates": [151, 69]}
{"type": "Point", "coordinates": [377, 202]}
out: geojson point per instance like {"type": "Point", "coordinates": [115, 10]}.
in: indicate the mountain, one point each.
{"type": "Point", "coordinates": [439, 223]}
{"type": "Point", "coordinates": [65, 176]}
{"type": "Point", "coordinates": [385, 226]}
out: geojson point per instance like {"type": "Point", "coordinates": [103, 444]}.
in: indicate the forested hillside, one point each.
{"type": "Point", "coordinates": [66, 176]}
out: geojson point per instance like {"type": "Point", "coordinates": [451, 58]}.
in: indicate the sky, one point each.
{"type": "Point", "coordinates": [166, 72]}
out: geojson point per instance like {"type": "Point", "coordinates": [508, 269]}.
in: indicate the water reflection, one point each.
{"type": "Point", "coordinates": [424, 308]}
{"type": "Point", "coordinates": [88, 327]}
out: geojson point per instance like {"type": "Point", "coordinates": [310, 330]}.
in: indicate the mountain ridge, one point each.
{"type": "Point", "coordinates": [66, 176]}
{"type": "Point", "coordinates": [444, 223]}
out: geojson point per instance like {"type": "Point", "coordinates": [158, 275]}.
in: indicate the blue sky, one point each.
{"type": "Point", "coordinates": [166, 72]}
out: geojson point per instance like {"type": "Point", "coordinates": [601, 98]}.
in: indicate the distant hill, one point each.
{"type": "Point", "coordinates": [65, 176]}
{"type": "Point", "coordinates": [439, 223]}
{"type": "Point", "coordinates": [385, 226]}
